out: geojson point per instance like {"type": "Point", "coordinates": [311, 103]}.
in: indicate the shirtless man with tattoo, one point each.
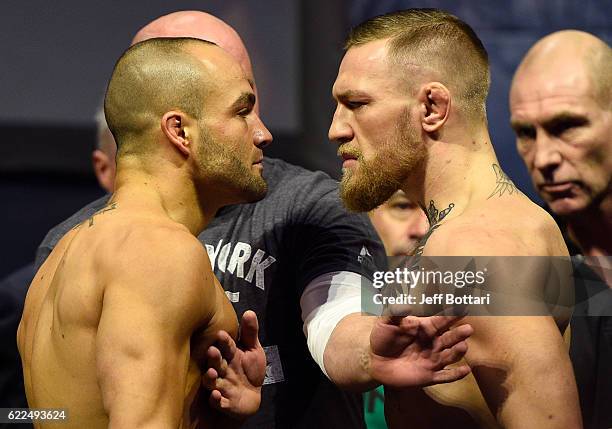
{"type": "Point", "coordinates": [411, 92]}
{"type": "Point", "coordinates": [119, 319]}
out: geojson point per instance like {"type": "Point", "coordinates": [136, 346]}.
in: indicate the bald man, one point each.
{"type": "Point", "coordinates": [411, 93]}
{"type": "Point", "coordinates": [561, 106]}
{"type": "Point", "coordinates": [118, 320]}
{"type": "Point", "coordinates": [298, 258]}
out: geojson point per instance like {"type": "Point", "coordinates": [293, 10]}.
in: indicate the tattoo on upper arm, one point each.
{"type": "Point", "coordinates": [504, 184]}
{"type": "Point", "coordinates": [110, 207]}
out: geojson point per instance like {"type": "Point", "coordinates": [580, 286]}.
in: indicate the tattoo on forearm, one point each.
{"type": "Point", "coordinates": [504, 184]}
{"type": "Point", "coordinates": [110, 207]}
{"type": "Point", "coordinates": [434, 217]}
{"type": "Point", "coordinates": [364, 361]}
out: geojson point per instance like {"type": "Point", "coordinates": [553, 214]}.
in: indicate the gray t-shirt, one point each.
{"type": "Point", "coordinates": [264, 255]}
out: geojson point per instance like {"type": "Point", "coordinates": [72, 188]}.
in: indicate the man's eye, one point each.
{"type": "Point", "coordinates": [355, 104]}
{"type": "Point", "coordinates": [561, 127]}
{"type": "Point", "coordinates": [525, 133]}
{"type": "Point", "coordinates": [244, 112]}
{"type": "Point", "coordinates": [402, 206]}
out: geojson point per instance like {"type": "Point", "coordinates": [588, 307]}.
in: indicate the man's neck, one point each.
{"type": "Point", "coordinates": [592, 229]}
{"type": "Point", "coordinates": [175, 197]}
{"type": "Point", "coordinates": [455, 176]}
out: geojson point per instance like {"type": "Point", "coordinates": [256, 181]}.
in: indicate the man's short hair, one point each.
{"type": "Point", "coordinates": [149, 79]}
{"type": "Point", "coordinates": [439, 41]}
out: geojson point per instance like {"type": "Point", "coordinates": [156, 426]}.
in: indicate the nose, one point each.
{"type": "Point", "coordinates": [261, 135]}
{"type": "Point", "coordinates": [339, 130]}
{"type": "Point", "coordinates": [419, 226]}
{"type": "Point", "coordinates": [547, 156]}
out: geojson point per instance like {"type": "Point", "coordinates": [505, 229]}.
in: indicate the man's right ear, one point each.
{"type": "Point", "coordinates": [104, 168]}
{"type": "Point", "coordinates": [173, 125]}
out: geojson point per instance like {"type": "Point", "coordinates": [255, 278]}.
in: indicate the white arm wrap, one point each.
{"type": "Point", "coordinates": [325, 301]}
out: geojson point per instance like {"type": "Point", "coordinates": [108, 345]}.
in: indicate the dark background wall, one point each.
{"type": "Point", "coordinates": [57, 56]}
{"type": "Point", "coordinates": [55, 60]}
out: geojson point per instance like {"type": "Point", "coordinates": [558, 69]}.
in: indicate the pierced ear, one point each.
{"type": "Point", "coordinates": [173, 126]}
{"type": "Point", "coordinates": [435, 102]}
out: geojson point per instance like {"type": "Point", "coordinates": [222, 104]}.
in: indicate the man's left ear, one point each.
{"type": "Point", "coordinates": [435, 101]}
{"type": "Point", "coordinates": [174, 125]}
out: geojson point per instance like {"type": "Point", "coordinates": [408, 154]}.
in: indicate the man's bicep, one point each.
{"type": "Point", "coordinates": [141, 360]}
{"type": "Point", "coordinates": [523, 370]}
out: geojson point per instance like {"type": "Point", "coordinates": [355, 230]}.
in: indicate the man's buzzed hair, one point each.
{"type": "Point", "coordinates": [434, 39]}
{"type": "Point", "coordinates": [151, 78]}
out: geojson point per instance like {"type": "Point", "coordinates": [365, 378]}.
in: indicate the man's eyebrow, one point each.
{"type": "Point", "coordinates": [517, 124]}
{"type": "Point", "coordinates": [351, 93]}
{"type": "Point", "coordinates": [555, 119]}
{"type": "Point", "coordinates": [565, 118]}
{"type": "Point", "coordinates": [244, 98]}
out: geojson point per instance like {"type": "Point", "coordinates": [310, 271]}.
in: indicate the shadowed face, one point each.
{"type": "Point", "coordinates": [563, 134]}
{"type": "Point", "coordinates": [400, 223]}
{"type": "Point", "coordinates": [371, 124]}
{"type": "Point", "coordinates": [229, 153]}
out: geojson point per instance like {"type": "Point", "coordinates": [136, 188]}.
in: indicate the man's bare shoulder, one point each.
{"type": "Point", "coordinates": [140, 239]}
{"type": "Point", "coordinates": [157, 257]}
{"type": "Point", "coordinates": [504, 227]}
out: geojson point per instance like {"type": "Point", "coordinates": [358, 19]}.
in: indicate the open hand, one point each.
{"type": "Point", "coordinates": [236, 373]}
{"type": "Point", "coordinates": [415, 351]}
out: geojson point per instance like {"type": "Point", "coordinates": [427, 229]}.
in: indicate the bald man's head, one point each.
{"type": "Point", "coordinates": [151, 78]}
{"type": "Point", "coordinates": [572, 58]}
{"type": "Point", "coordinates": [199, 25]}
{"type": "Point", "coordinates": [561, 113]}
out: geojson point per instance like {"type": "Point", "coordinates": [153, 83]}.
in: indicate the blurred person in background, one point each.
{"type": "Point", "coordinates": [400, 223]}
{"type": "Point", "coordinates": [561, 113]}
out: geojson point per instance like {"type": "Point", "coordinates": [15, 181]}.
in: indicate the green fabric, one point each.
{"type": "Point", "coordinates": [374, 404]}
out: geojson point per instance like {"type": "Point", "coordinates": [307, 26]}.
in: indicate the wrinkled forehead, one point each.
{"type": "Point", "coordinates": [549, 80]}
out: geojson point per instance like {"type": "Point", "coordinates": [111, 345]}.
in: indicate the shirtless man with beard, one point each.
{"type": "Point", "coordinates": [410, 115]}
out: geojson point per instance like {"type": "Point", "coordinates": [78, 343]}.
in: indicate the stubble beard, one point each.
{"type": "Point", "coordinates": [374, 181]}
{"type": "Point", "coordinates": [225, 172]}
